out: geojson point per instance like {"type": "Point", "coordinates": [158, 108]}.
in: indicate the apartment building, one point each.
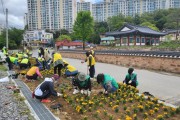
{"type": "Point", "coordinates": [108, 8]}
{"type": "Point", "coordinates": [61, 14]}
{"type": "Point", "coordinates": [51, 14]}
{"type": "Point", "coordinates": [84, 6]}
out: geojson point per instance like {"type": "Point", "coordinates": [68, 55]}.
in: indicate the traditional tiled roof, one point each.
{"type": "Point", "coordinates": [134, 29]}
{"type": "Point", "coordinates": [169, 31]}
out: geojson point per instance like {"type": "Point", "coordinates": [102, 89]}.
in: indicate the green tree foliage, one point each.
{"type": "Point", "coordinates": [115, 22]}
{"type": "Point", "coordinates": [83, 26]}
{"type": "Point", "coordinates": [156, 20]}
{"type": "Point", "coordinates": [63, 37]}
{"type": "Point", "coordinates": [15, 38]}
{"type": "Point", "coordinates": [150, 25]}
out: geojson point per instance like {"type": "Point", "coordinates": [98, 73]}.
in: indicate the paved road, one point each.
{"type": "Point", "coordinates": [165, 86]}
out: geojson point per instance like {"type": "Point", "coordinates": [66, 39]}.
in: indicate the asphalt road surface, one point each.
{"type": "Point", "coordinates": [165, 86]}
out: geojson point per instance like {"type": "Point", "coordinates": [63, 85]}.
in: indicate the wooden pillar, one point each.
{"type": "Point", "coordinates": [134, 39]}
{"type": "Point", "coordinates": [155, 40]}
{"type": "Point", "coordinates": [145, 40]}
{"type": "Point", "coordinates": [140, 40]}
{"type": "Point", "coordinates": [128, 39]}
{"type": "Point", "coordinates": [115, 40]}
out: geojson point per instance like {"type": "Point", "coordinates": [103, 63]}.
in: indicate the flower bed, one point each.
{"type": "Point", "coordinates": [125, 104]}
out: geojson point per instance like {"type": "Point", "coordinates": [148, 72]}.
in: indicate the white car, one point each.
{"type": "Point", "coordinates": [2, 57]}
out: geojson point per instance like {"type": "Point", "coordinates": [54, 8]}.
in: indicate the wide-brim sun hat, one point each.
{"type": "Point", "coordinates": [82, 76]}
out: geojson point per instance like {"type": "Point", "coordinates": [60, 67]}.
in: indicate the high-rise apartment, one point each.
{"type": "Point", "coordinates": [51, 14]}
{"type": "Point", "coordinates": [108, 8]}
{"type": "Point", "coordinates": [84, 6]}
{"type": "Point", "coordinates": [61, 14]}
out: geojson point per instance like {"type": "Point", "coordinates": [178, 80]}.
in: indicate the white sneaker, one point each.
{"type": "Point", "coordinates": [82, 91]}
{"type": "Point", "coordinates": [75, 91]}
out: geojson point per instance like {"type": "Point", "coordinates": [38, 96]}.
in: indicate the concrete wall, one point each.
{"type": "Point", "coordinates": [152, 63]}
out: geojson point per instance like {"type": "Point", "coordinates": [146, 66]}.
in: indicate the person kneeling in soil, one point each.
{"type": "Point", "coordinates": [46, 89]}
{"type": "Point", "coordinates": [69, 69]}
{"type": "Point", "coordinates": [83, 83]}
{"type": "Point", "coordinates": [33, 73]}
{"type": "Point", "coordinates": [25, 63]}
{"type": "Point", "coordinates": [108, 82]}
{"type": "Point", "coordinates": [131, 78]}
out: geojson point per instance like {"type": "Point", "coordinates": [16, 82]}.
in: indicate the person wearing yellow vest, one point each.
{"type": "Point", "coordinates": [41, 62]}
{"type": "Point", "coordinates": [33, 73]}
{"type": "Point", "coordinates": [69, 69]}
{"type": "Point", "coordinates": [90, 63]}
{"type": "Point", "coordinates": [14, 60]}
{"type": "Point", "coordinates": [19, 55]}
{"type": "Point", "coordinates": [47, 58]}
{"type": "Point", "coordinates": [9, 62]}
{"type": "Point", "coordinates": [25, 63]}
{"type": "Point", "coordinates": [4, 50]}
{"type": "Point", "coordinates": [57, 62]}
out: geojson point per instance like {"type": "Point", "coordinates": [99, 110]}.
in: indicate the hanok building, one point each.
{"type": "Point", "coordinates": [135, 35]}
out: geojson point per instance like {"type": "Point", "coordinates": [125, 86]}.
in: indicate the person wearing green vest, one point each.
{"type": "Point", "coordinates": [25, 63]}
{"type": "Point", "coordinates": [131, 78]}
{"type": "Point", "coordinates": [82, 83]}
{"type": "Point", "coordinates": [108, 82]}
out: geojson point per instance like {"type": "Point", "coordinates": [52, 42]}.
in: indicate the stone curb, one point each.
{"type": "Point", "coordinates": [26, 102]}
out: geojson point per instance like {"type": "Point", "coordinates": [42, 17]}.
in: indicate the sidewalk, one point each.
{"type": "Point", "coordinates": [162, 85]}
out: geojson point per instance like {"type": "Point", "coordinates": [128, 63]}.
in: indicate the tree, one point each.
{"type": "Point", "coordinates": [15, 38]}
{"type": "Point", "coordinates": [137, 19]}
{"type": "Point", "coordinates": [150, 25]}
{"type": "Point", "coordinates": [83, 26]}
{"type": "Point", "coordinates": [63, 37]}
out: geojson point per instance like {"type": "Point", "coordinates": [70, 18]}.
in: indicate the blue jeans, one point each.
{"type": "Point", "coordinates": [113, 89]}
{"type": "Point", "coordinates": [68, 73]}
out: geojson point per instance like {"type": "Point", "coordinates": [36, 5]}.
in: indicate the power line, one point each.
{"type": "Point", "coordinates": [3, 6]}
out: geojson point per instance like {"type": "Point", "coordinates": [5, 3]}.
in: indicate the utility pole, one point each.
{"type": "Point", "coordinates": [7, 28]}
{"type": "Point", "coordinates": [177, 34]}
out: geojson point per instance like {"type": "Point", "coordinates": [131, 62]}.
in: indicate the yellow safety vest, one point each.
{"type": "Point", "coordinates": [19, 55]}
{"type": "Point", "coordinates": [93, 62]}
{"type": "Point", "coordinates": [25, 61]}
{"type": "Point", "coordinates": [40, 59]}
{"type": "Point", "coordinates": [12, 59]}
{"type": "Point", "coordinates": [32, 71]}
{"type": "Point", "coordinates": [71, 68]}
{"type": "Point", "coordinates": [57, 56]}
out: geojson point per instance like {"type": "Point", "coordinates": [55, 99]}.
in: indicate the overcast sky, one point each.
{"type": "Point", "coordinates": [16, 10]}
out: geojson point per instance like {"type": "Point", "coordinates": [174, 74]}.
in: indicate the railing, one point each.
{"type": "Point", "coordinates": [166, 54]}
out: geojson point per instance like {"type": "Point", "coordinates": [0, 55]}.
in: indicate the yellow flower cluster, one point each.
{"type": "Point", "coordinates": [114, 107]}
{"type": "Point", "coordinates": [78, 108]}
{"type": "Point", "coordinates": [84, 103]}
{"type": "Point", "coordinates": [160, 116]}
{"type": "Point", "coordinates": [151, 112]}
{"type": "Point", "coordinates": [128, 118]}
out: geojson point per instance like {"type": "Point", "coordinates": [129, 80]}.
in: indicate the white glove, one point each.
{"type": "Point", "coordinates": [88, 93]}
{"type": "Point", "coordinates": [49, 63]}
{"type": "Point", "coordinates": [82, 91]}
{"type": "Point", "coordinates": [59, 94]}
{"type": "Point", "coordinates": [105, 92]}
{"type": "Point", "coordinates": [130, 82]}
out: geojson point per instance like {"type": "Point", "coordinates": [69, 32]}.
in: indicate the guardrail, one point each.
{"type": "Point", "coordinates": [165, 54]}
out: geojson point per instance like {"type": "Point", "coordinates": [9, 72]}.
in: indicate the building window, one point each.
{"type": "Point", "coordinates": [142, 40]}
